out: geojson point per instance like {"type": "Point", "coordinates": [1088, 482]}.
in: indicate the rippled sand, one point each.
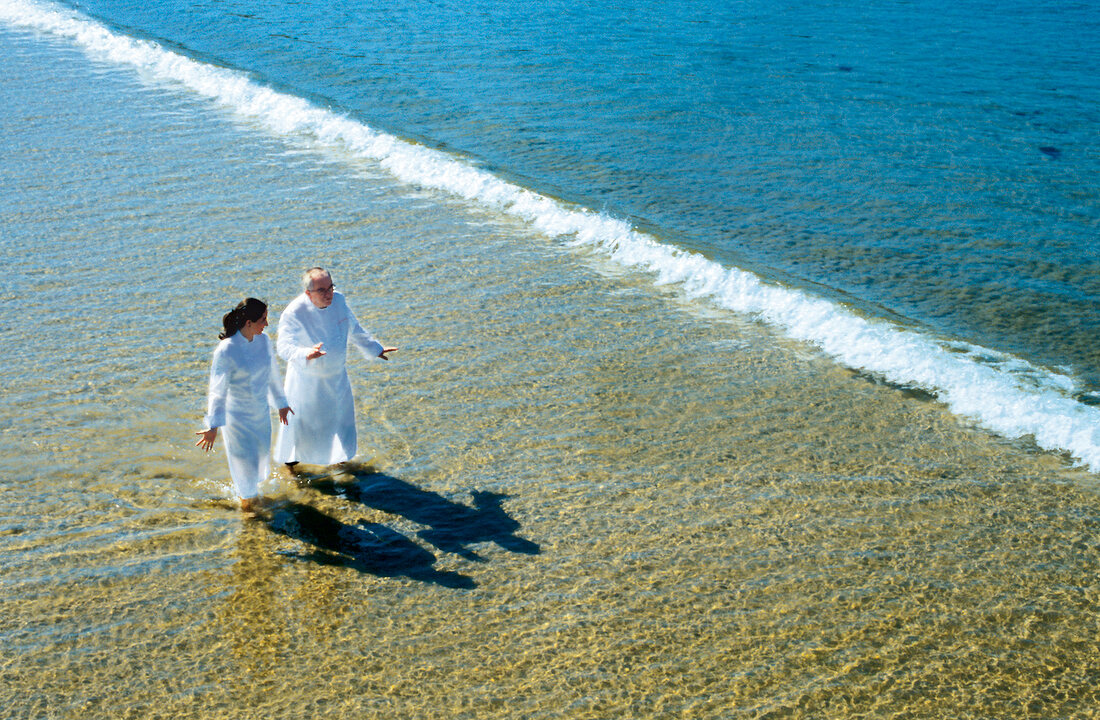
{"type": "Point", "coordinates": [577, 497]}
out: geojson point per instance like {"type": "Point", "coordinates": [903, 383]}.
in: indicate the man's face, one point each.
{"type": "Point", "coordinates": [321, 294]}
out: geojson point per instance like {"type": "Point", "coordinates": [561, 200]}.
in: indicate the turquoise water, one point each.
{"type": "Point", "coordinates": [927, 167]}
{"type": "Point", "coordinates": [679, 426]}
{"type": "Point", "coordinates": [929, 159]}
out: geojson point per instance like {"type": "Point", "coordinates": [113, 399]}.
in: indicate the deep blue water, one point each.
{"type": "Point", "coordinates": [935, 159]}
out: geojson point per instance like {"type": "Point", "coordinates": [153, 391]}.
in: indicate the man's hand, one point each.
{"type": "Point", "coordinates": [284, 415]}
{"type": "Point", "coordinates": [386, 350]}
{"type": "Point", "coordinates": [316, 352]}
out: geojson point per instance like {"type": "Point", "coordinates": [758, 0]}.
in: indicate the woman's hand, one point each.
{"type": "Point", "coordinates": [284, 415]}
{"type": "Point", "coordinates": [207, 440]}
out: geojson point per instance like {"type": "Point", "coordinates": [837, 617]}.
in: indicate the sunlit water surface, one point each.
{"type": "Point", "coordinates": [577, 496]}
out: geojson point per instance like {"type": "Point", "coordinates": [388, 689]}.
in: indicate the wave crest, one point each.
{"type": "Point", "coordinates": [1007, 395]}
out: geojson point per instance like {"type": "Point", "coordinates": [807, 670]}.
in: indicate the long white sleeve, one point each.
{"type": "Point", "coordinates": [293, 343]}
{"type": "Point", "coordinates": [275, 396]}
{"type": "Point", "coordinates": [218, 390]}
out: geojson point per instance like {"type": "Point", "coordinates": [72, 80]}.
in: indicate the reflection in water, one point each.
{"type": "Point", "coordinates": [452, 526]}
{"type": "Point", "coordinates": [368, 547]}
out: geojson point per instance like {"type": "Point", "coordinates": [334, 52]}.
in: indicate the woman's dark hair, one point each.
{"type": "Point", "coordinates": [247, 310]}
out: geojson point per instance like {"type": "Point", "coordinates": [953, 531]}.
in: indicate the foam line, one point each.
{"type": "Point", "coordinates": [1009, 397]}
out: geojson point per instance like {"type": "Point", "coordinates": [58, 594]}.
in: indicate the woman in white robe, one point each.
{"type": "Point", "coordinates": [244, 381]}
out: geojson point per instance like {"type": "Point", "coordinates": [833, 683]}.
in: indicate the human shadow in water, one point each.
{"type": "Point", "coordinates": [452, 526]}
{"type": "Point", "coordinates": [368, 547]}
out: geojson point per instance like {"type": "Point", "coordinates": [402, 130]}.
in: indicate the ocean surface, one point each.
{"type": "Point", "coordinates": [746, 368]}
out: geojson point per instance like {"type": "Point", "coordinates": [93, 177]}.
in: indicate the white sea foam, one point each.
{"type": "Point", "coordinates": [1008, 396]}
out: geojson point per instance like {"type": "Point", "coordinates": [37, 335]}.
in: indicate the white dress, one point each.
{"type": "Point", "coordinates": [244, 383]}
{"type": "Point", "coordinates": [322, 428]}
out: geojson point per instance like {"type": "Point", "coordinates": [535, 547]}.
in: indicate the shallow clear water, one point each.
{"type": "Point", "coordinates": [580, 494]}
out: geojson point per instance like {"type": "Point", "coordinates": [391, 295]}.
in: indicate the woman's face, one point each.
{"type": "Point", "coordinates": [252, 329]}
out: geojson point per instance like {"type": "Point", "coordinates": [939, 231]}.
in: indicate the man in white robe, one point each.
{"type": "Point", "coordinates": [314, 331]}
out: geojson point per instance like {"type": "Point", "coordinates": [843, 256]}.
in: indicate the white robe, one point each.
{"type": "Point", "coordinates": [322, 428]}
{"type": "Point", "coordinates": [244, 382]}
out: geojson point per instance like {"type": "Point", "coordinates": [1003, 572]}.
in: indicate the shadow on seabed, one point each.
{"type": "Point", "coordinates": [379, 550]}
{"type": "Point", "coordinates": [452, 526]}
{"type": "Point", "coordinates": [367, 547]}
